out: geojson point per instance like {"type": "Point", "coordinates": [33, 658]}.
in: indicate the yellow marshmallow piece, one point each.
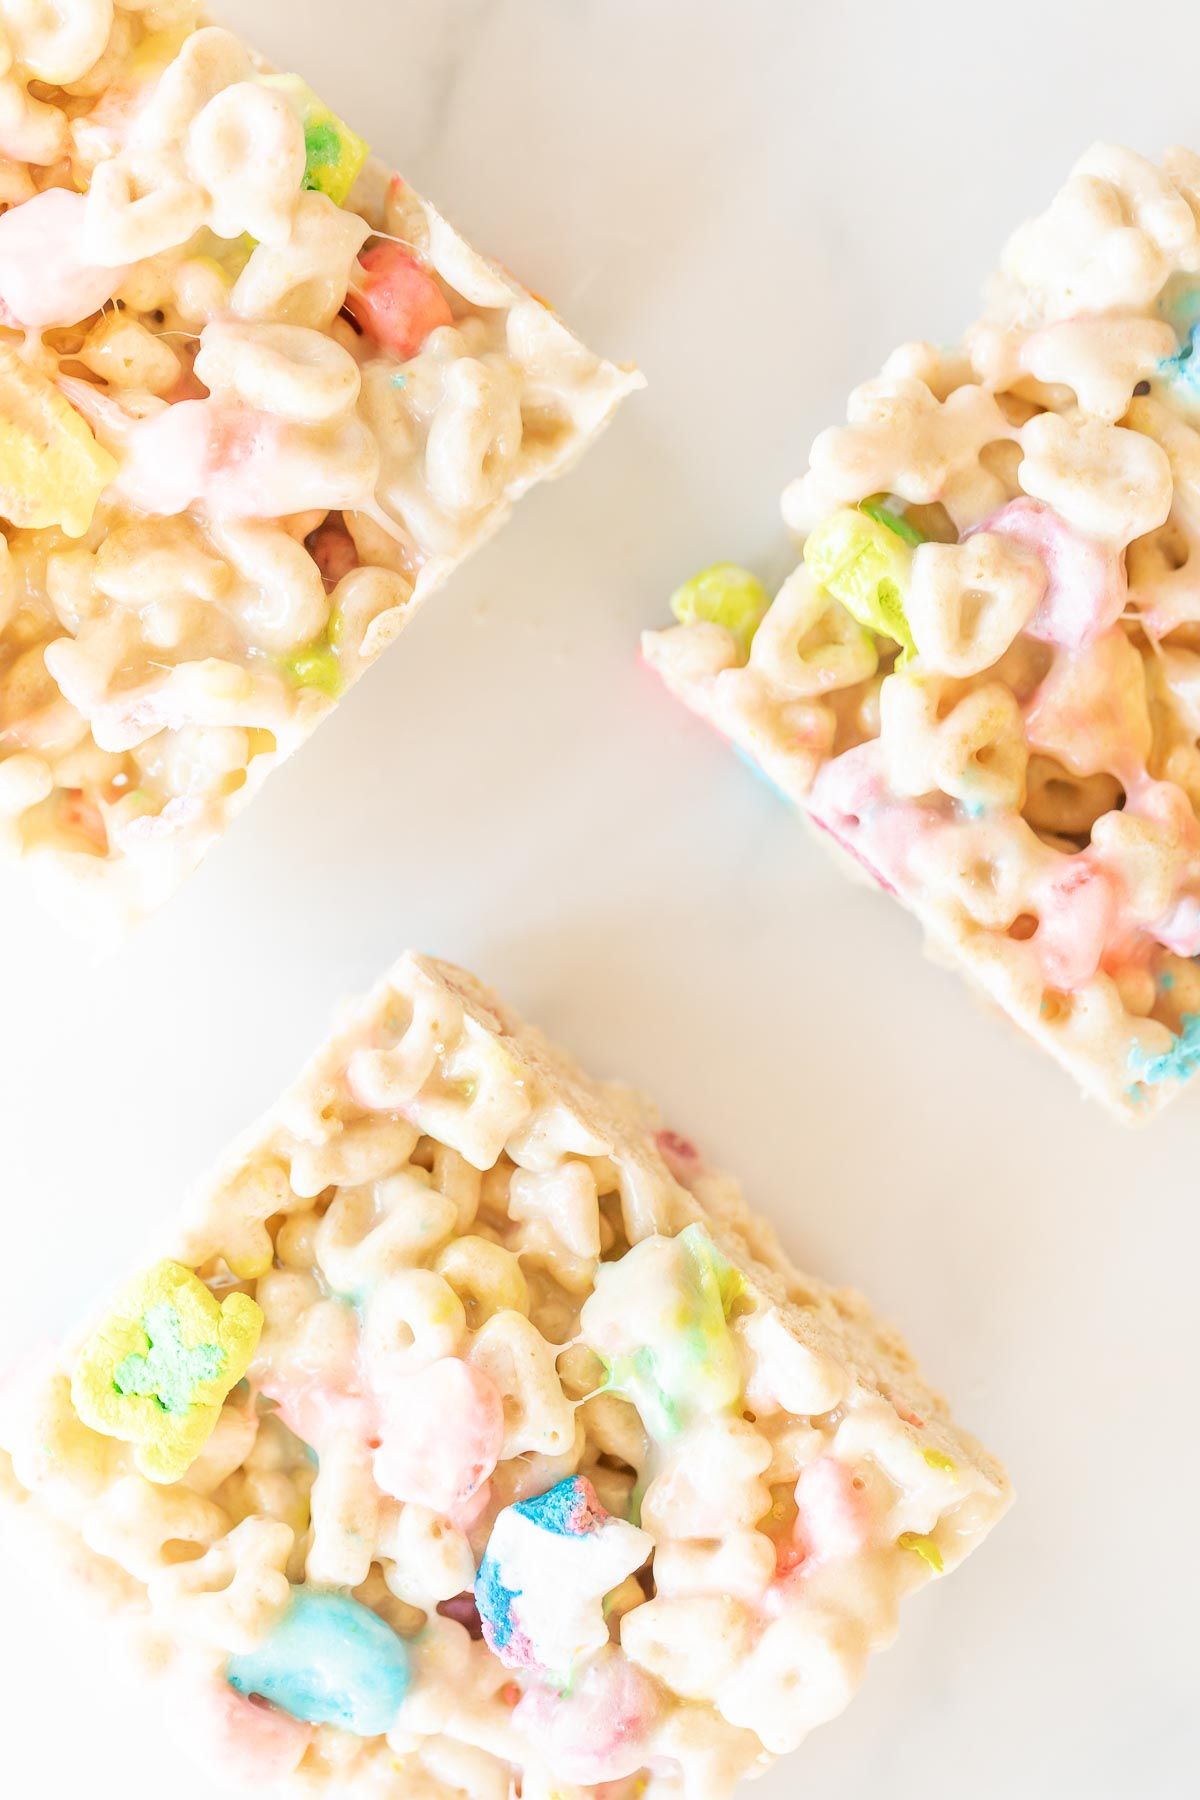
{"type": "Point", "coordinates": [52, 470]}
{"type": "Point", "coordinates": [156, 1371]}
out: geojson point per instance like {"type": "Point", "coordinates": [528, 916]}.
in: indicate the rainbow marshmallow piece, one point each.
{"type": "Point", "coordinates": [550, 1561]}
{"type": "Point", "coordinates": [156, 1371]}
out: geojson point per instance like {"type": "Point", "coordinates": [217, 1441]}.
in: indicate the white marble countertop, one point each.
{"type": "Point", "coordinates": [756, 200]}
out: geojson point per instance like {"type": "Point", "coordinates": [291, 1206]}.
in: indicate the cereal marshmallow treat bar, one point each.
{"type": "Point", "coordinates": [983, 680]}
{"type": "Point", "coordinates": [470, 1437]}
{"type": "Point", "coordinates": [256, 400]}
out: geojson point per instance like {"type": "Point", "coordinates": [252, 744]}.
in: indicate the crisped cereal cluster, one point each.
{"type": "Point", "coordinates": [474, 1439]}
{"type": "Point", "coordinates": [256, 399]}
{"type": "Point", "coordinates": [983, 681]}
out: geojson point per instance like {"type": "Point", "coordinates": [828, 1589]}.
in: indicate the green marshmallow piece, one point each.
{"type": "Point", "coordinates": [877, 508]}
{"type": "Point", "coordinates": [333, 154]}
{"type": "Point", "coordinates": [723, 594]}
{"type": "Point", "coordinates": [865, 566]}
{"type": "Point", "coordinates": [316, 665]}
{"type": "Point", "coordinates": [322, 145]}
{"type": "Point", "coordinates": [169, 1372]}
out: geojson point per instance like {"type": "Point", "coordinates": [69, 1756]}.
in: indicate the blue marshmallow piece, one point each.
{"type": "Point", "coordinates": [329, 1660]}
{"type": "Point", "coordinates": [1178, 1063]}
{"type": "Point", "coordinates": [568, 1509]}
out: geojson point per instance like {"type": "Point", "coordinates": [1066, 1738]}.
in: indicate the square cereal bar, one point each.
{"type": "Point", "coordinates": [471, 1437]}
{"type": "Point", "coordinates": [257, 398]}
{"type": "Point", "coordinates": [983, 680]}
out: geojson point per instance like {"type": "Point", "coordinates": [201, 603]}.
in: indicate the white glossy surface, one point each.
{"type": "Point", "coordinates": [755, 200]}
